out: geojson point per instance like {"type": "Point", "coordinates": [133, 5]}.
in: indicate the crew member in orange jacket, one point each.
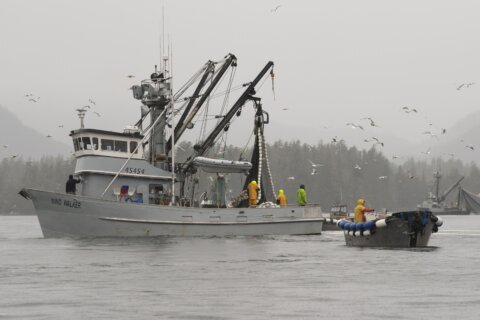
{"type": "Point", "coordinates": [282, 198]}
{"type": "Point", "coordinates": [360, 210]}
{"type": "Point", "coordinates": [252, 189]}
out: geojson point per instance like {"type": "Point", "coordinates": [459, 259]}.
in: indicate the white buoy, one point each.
{"type": "Point", "coordinates": [439, 222]}
{"type": "Point", "coordinates": [380, 223]}
{"type": "Point", "coordinates": [366, 233]}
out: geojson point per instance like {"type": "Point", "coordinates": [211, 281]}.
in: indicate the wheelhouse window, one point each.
{"type": "Point", "coordinates": [114, 145]}
{"type": "Point", "coordinates": [80, 144]}
{"type": "Point", "coordinates": [107, 145]}
{"type": "Point", "coordinates": [120, 146]}
{"type": "Point", "coordinates": [133, 146]}
{"type": "Point", "coordinates": [87, 145]}
{"type": "Point", "coordinates": [95, 143]}
{"type": "Point", "coordinates": [75, 145]}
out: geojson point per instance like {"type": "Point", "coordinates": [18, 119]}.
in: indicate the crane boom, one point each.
{"type": "Point", "coordinates": [190, 112]}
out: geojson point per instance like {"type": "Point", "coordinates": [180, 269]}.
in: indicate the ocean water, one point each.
{"type": "Point", "coordinates": [287, 277]}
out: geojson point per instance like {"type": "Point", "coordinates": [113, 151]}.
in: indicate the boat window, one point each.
{"type": "Point", "coordinates": [95, 143]}
{"type": "Point", "coordinates": [87, 145]}
{"type": "Point", "coordinates": [133, 145]}
{"type": "Point", "coordinates": [75, 144]}
{"type": "Point", "coordinates": [107, 144]}
{"type": "Point", "coordinates": [121, 146]}
{"type": "Point", "coordinates": [80, 143]}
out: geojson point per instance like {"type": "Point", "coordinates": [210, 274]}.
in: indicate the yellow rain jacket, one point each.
{"type": "Point", "coordinates": [252, 193]}
{"type": "Point", "coordinates": [282, 198]}
{"type": "Point", "coordinates": [360, 210]}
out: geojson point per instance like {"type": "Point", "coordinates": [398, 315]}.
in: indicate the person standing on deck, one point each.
{"type": "Point", "coordinates": [360, 210]}
{"type": "Point", "coordinates": [252, 189]}
{"type": "Point", "coordinates": [282, 199]}
{"type": "Point", "coordinates": [71, 186]}
{"type": "Point", "coordinates": [301, 196]}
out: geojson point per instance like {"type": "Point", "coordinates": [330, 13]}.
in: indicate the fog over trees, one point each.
{"type": "Point", "coordinates": [345, 175]}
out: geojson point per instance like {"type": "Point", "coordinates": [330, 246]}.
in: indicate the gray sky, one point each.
{"type": "Point", "coordinates": [335, 61]}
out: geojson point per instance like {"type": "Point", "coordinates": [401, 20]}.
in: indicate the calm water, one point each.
{"type": "Point", "coordinates": [288, 277]}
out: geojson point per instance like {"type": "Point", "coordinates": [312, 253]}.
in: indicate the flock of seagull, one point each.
{"type": "Point", "coordinates": [376, 141]}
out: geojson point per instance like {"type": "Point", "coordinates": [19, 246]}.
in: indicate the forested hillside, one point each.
{"type": "Point", "coordinates": [344, 174]}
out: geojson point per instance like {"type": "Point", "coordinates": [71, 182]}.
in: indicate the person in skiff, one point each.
{"type": "Point", "coordinates": [71, 186]}
{"type": "Point", "coordinates": [301, 196]}
{"type": "Point", "coordinates": [282, 199]}
{"type": "Point", "coordinates": [252, 189]}
{"type": "Point", "coordinates": [360, 210]}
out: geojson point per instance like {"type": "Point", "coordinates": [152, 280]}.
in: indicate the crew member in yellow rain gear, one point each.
{"type": "Point", "coordinates": [252, 189]}
{"type": "Point", "coordinates": [282, 199]}
{"type": "Point", "coordinates": [360, 210]}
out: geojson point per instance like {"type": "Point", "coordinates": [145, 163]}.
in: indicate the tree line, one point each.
{"type": "Point", "coordinates": [344, 174]}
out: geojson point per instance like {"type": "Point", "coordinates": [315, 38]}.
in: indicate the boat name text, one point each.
{"type": "Point", "coordinates": [67, 203]}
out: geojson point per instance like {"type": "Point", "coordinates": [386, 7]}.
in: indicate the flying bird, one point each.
{"type": "Point", "coordinates": [314, 165]}
{"type": "Point", "coordinates": [395, 157]}
{"type": "Point", "coordinates": [382, 177]}
{"type": "Point", "coordinates": [284, 109]}
{"type": "Point", "coordinates": [92, 102]}
{"type": "Point", "coordinates": [314, 171]}
{"type": "Point", "coordinates": [461, 86]}
{"type": "Point", "coordinates": [444, 131]}
{"type": "Point", "coordinates": [410, 175]}
{"type": "Point", "coordinates": [354, 126]}
{"type": "Point", "coordinates": [275, 9]}
{"type": "Point", "coordinates": [48, 136]}
{"type": "Point", "coordinates": [130, 76]}
{"type": "Point", "coordinates": [357, 167]}
{"type": "Point", "coordinates": [426, 152]}
{"type": "Point", "coordinates": [33, 100]}
{"type": "Point", "coordinates": [372, 123]}
{"type": "Point", "coordinates": [60, 125]}
{"type": "Point", "coordinates": [98, 114]}
{"type": "Point", "coordinates": [469, 146]}
{"type": "Point", "coordinates": [28, 95]}
{"type": "Point", "coordinates": [291, 178]}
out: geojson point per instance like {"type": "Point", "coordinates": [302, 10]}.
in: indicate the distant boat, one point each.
{"type": "Point", "coordinates": [337, 212]}
{"type": "Point", "coordinates": [436, 203]}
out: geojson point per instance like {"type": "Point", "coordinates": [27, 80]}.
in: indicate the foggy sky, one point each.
{"type": "Point", "coordinates": [335, 61]}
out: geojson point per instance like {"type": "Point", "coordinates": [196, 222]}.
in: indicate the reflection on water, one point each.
{"type": "Point", "coordinates": [284, 277]}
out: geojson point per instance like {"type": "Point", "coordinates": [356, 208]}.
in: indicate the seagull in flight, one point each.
{"type": "Point", "coordinates": [315, 165]}
{"type": "Point", "coordinates": [410, 175]}
{"type": "Point", "coordinates": [48, 136]}
{"type": "Point", "coordinates": [335, 139]}
{"type": "Point", "coordinates": [465, 85]}
{"type": "Point", "coordinates": [314, 171]}
{"type": "Point", "coordinates": [372, 123]}
{"type": "Point", "coordinates": [469, 146]}
{"type": "Point", "coordinates": [98, 114]}
{"type": "Point", "coordinates": [382, 177]}
{"type": "Point", "coordinates": [28, 95]}
{"type": "Point", "coordinates": [130, 76]}
{"type": "Point", "coordinates": [275, 9]}
{"type": "Point", "coordinates": [408, 110]}
{"type": "Point", "coordinates": [357, 167]}
{"type": "Point", "coordinates": [426, 152]}
{"type": "Point", "coordinates": [60, 125]}
{"type": "Point", "coordinates": [354, 126]}
{"type": "Point", "coordinates": [284, 109]}
{"type": "Point", "coordinates": [92, 102]}
{"type": "Point", "coordinates": [291, 178]}
{"type": "Point", "coordinates": [33, 100]}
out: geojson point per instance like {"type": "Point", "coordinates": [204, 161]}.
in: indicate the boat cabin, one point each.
{"type": "Point", "coordinates": [108, 143]}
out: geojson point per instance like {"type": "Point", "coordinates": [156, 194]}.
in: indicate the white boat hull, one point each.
{"type": "Point", "coordinates": [62, 215]}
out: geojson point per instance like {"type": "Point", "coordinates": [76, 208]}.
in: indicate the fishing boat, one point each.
{"type": "Point", "coordinates": [337, 212]}
{"type": "Point", "coordinates": [131, 185]}
{"type": "Point", "coordinates": [404, 229]}
{"type": "Point", "coordinates": [437, 203]}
